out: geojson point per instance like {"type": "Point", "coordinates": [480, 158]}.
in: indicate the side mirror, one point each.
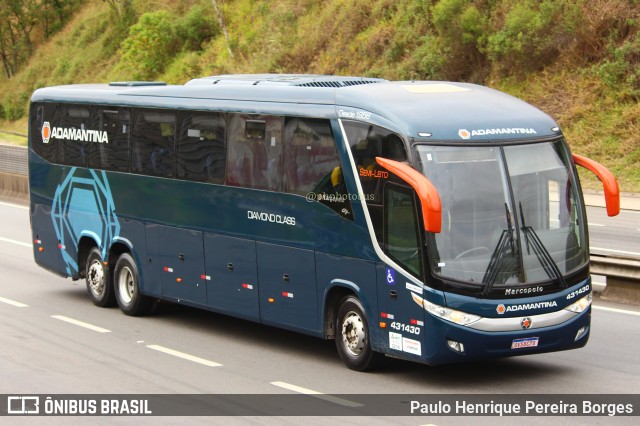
{"type": "Point", "coordinates": [609, 182]}
{"type": "Point", "coordinates": [427, 193]}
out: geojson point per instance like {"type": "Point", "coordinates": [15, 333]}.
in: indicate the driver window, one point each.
{"type": "Point", "coordinates": [402, 236]}
{"type": "Point", "coordinates": [367, 142]}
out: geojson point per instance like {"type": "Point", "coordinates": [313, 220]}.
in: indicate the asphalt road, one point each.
{"type": "Point", "coordinates": [53, 340]}
{"type": "Point", "coordinates": [618, 235]}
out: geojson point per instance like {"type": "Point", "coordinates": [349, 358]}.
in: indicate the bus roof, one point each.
{"type": "Point", "coordinates": [425, 110]}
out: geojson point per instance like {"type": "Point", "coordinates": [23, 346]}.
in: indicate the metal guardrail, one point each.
{"type": "Point", "coordinates": [13, 160]}
{"type": "Point", "coordinates": [615, 266]}
{"type": "Point", "coordinates": [623, 276]}
{"type": "Point", "coordinates": [623, 273]}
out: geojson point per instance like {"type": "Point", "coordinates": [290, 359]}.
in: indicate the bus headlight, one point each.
{"type": "Point", "coordinates": [580, 305]}
{"type": "Point", "coordinates": [458, 317]}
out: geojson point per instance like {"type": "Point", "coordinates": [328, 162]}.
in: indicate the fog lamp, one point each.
{"type": "Point", "coordinates": [456, 346]}
{"type": "Point", "coordinates": [581, 333]}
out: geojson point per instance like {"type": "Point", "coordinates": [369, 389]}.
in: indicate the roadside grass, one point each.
{"type": "Point", "coordinates": [9, 139]}
{"type": "Point", "coordinates": [588, 90]}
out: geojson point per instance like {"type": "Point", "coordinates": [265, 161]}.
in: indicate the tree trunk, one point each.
{"type": "Point", "coordinates": [223, 27]}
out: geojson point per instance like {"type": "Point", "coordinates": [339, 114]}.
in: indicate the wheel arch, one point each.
{"type": "Point", "coordinates": [117, 248]}
{"type": "Point", "coordinates": [85, 245]}
{"type": "Point", "coordinates": [334, 294]}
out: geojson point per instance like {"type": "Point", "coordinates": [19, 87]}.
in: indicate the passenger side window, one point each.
{"type": "Point", "coordinates": [255, 151]}
{"type": "Point", "coordinates": [74, 148]}
{"type": "Point", "coordinates": [201, 147]}
{"type": "Point", "coordinates": [114, 155]}
{"type": "Point", "coordinates": [41, 139]}
{"type": "Point", "coordinates": [311, 164]}
{"type": "Point", "coordinates": [153, 142]}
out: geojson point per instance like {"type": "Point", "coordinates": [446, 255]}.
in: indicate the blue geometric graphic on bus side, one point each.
{"type": "Point", "coordinates": [83, 206]}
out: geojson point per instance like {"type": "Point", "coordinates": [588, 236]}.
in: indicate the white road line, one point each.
{"type": "Point", "coordinates": [595, 224]}
{"type": "Point", "coordinates": [635, 253]}
{"type": "Point", "coordinates": [13, 303]}
{"type": "Point", "coordinates": [620, 311]}
{"type": "Point", "coordinates": [17, 206]}
{"type": "Point", "coordinates": [184, 356]}
{"type": "Point", "coordinates": [19, 243]}
{"type": "Point", "coordinates": [81, 323]}
{"type": "Point", "coordinates": [316, 394]}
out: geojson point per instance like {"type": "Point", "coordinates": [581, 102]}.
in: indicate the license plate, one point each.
{"type": "Point", "coordinates": [529, 342]}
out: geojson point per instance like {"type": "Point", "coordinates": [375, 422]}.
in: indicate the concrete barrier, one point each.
{"type": "Point", "coordinates": [14, 186]}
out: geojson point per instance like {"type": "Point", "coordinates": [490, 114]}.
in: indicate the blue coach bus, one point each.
{"type": "Point", "coordinates": [431, 221]}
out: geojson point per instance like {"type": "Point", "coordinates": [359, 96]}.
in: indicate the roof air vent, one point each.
{"type": "Point", "coordinates": [137, 83]}
{"type": "Point", "coordinates": [337, 83]}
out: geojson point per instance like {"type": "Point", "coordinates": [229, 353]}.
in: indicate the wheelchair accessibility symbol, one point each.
{"type": "Point", "coordinates": [391, 276]}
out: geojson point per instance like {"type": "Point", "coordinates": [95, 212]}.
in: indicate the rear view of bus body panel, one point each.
{"type": "Point", "coordinates": [81, 208]}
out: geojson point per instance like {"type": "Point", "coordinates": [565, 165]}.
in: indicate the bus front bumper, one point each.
{"type": "Point", "coordinates": [447, 342]}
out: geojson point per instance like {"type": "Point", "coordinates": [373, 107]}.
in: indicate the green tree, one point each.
{"type": "Point", "coordinates": [151, 44]}
{"type": "Point", "coordinates": [532, 34]}
{"type": "Point", "coordinates": [460, 26]}
{"type": "Point", "coordinates": [18, 20]}
{"type": "Point", "coordinates": [53, 14]}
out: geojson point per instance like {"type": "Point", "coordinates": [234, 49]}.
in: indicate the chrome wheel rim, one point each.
{"type": "Point", "coordinates": [126, 285]}
{"type": "Point", "coordinates": [353, 334]}
{"type": "Point", "coordinates": [95, 277]}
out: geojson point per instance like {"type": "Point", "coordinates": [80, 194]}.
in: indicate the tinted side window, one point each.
{"type": "Point", "coordinates": [255, 151]}
{"type": "Point", "coordinates": [113, 155]}
{"type": "Point", "coordinates": [74, 141]}
{"type": "Point", "coordinates": [201, 147]}
{"type": "Point", "coordinates": [41, 140]}
{"type": "Point", "coordinates": [153, 142]}
{"type": "Point", "coordinates": [368, 142]}
{"type": "Point", "coordinates": [402, 236]}
{"type": "Point", "coordinates": [309, 156]}
{"type": "Point", "coordinates": [311, 163]}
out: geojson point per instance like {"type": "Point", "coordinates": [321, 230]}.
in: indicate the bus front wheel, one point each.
{"type": "Point", "coordinates": [352, 337]}
{"type": "Point", "coordinates": [98, 284]}
{"type": "Point", "coordinates": [126, 281]}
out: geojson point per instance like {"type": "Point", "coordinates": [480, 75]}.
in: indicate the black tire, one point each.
{"type": "Point", "coordinates": [352, 336]}
{"type": "Point", "coordinates": [99, 285]}
{"type": "Point", "coordinates": [126, 283]}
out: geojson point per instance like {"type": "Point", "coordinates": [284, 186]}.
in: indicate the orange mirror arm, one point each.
{"type": "Point", "coordinates": [609, 182]}
{"type": "Point", "coordinates": [431, 207]}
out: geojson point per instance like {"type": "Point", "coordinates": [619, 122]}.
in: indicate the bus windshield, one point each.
{"type": "Point", "coordinates": [510, 214]}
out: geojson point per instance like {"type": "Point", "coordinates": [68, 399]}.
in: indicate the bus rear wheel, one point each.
{"type": "Point", "coordinates": [352, 338]}
{"type": "Point", "coordinates": [126, 281]}
{"type": "Point", "coordinates": [98, 282]}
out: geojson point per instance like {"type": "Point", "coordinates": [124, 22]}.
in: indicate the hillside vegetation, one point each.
{"type": "Point", "coordinates": [578, 60]}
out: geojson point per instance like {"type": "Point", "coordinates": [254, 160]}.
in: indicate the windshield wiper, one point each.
{"type": "Point", "coordinates": [496, 260]}
{"type": "Point", "coordinates": [541, 252]}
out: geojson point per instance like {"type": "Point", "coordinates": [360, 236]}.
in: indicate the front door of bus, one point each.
{"type": "Point", "coordinates": [403, 317]}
